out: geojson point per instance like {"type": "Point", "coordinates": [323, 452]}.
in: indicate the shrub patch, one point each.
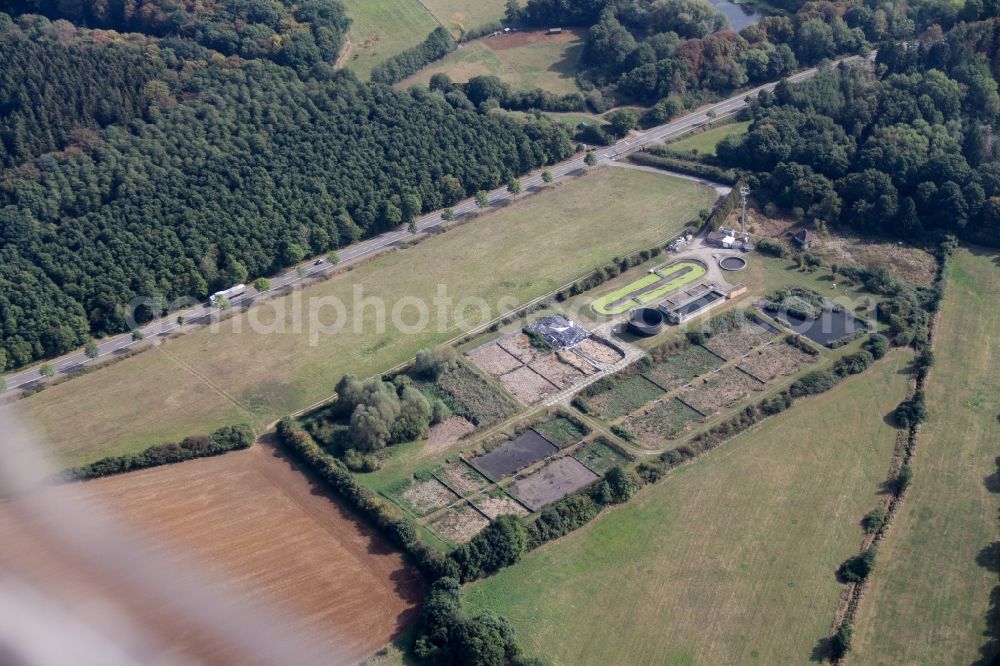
{"type": "Point", "coordinates": [657, 426]}
{"type": "Point", "coordinates": [624, 397]}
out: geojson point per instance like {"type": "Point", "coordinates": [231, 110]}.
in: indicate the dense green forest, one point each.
{"type": "Point", "coordinates": [90, 84]}
{"type": "Point", "coordinates": [907, 149]}
{"type": "Point", "coordinates": [298, 34]}
{"type": "Point", "coordinates": [253, 170]}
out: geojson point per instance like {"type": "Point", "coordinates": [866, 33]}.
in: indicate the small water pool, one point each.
{"type": "Point", "coordinates": [827, 329]}
{"type": "Point", "coordinates": [739, 16]}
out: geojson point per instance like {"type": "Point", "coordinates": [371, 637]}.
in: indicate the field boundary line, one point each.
{"type": "Point", "coordinates": [446, 485]}
{"type": "Point", "coordinates": [716, 354]}
{"type": "Point", "coordinates": [747, 372]}
{"type": "Point", "coordinates": [847, 607]}
{"type": "Point", "coordinates": [433, 16]}
{"type": "Point", "coordinates": [480, 511]}
{"type": "Point", "coordinates": [515, 498]}
{"type": "Point", "coordinates": [690, 406]}
{"type": "Point", "coordinates": [587, 467]}
{"type": "Point", "coordinates": [212, 385]}
{"type": "Point", "coordinates": [654, 383]}
{"type": "Point", "coordinates": [547, 380]}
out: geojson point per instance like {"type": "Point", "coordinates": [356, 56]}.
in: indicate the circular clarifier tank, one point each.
{"type": "Point", "coordinates": [733, 263]}
{"type": "Point", "coordinates": [646, 321]}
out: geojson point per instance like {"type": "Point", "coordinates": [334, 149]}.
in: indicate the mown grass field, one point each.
{"type": "Point", "coordinates": [730, 560]}
{"type": "Point", "coordinates": [764, 275]}
{"type": "Point", "coordinates": [705, 142]}
{"type": "Point", "coordinates": [205, 379]}
{"type": "Point", "coordinates": [930, 592]}
{"type": "Point", "coordinates": [547, 62]}
{"type": "Point", "coordinates": [383, 28]}
{"type": "Point", "coordinates": [463, 15]}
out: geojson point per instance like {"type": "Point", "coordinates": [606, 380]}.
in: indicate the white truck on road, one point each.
{"type": "Point", "coordinates": [227, 294]}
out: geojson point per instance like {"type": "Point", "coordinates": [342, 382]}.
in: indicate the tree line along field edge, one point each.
{"type": "Point", "coordinates": [947, 523]}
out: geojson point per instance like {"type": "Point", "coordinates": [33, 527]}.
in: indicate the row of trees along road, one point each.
{"type": "Point", "coordinates": [254, 169]}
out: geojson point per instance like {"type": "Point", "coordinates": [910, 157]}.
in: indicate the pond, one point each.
{"type": "Point", "coordinates": [830, 327]}
{"type": "Point", "coordinates": [739, 16]}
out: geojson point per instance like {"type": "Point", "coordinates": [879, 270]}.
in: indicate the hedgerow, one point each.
{"type": "Point", "coordinates": [800, 343]}
{"type": "Point", "coordinates": [853, 364]}
{"type": "Point", "coordinates": [223, 440]}
{"type": "Point", "coordinates": [652, 159]}
{"type": "Point", "coordinates": [437, 45]}
{"type": "Point", "coordinates": [813, 383]}
{"type": "Point", "coordinates": [911, 411]}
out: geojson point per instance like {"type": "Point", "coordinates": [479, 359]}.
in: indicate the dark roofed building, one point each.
{"type": "Point", "coordinates": [803, 238]}
{"type": "Point", "coordinates": [559, 331]}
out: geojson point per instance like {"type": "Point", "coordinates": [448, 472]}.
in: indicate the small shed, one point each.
{"type": "Point", "coordinates": [555, 31]}
{"type": "Point", "coordinates": [715, 238]}
{"type": "Point", "coordinates": [803, 238]}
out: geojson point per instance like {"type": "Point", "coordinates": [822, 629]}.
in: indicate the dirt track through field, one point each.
{"type": "Point", "coordinates": [271, 538]}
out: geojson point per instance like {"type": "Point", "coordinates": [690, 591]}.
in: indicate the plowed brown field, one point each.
{"type": "Point", "coordinates": [271, 538]}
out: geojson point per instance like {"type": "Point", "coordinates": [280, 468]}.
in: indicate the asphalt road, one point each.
{"type": "Point", "coordinates": [109, 347]}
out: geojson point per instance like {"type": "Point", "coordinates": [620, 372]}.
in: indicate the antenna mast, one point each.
{"type": "Point", "coordinates": [744, 193]}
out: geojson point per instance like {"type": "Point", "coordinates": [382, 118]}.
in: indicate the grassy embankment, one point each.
{"type": "Point", "coordinates": [930, 593]}
{"type": "Point", "coordinates": [731, 560]}
{"type": "Point", "coordinates": [206, 379]}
